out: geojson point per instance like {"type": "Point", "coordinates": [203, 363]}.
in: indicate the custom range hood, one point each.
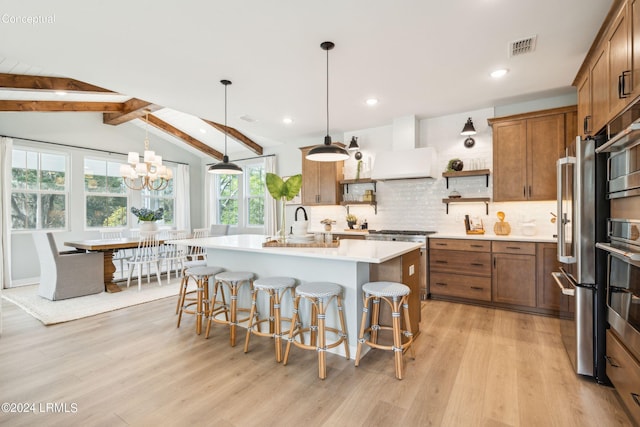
{"type": "Point", "coordinates": [405, 161]}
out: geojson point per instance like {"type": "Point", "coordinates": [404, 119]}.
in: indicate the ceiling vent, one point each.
{"type": "Point", "coordinates": [522, 46]}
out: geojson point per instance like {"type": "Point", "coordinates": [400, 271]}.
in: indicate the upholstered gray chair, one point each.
{"type": "Point", "coordinates": [67, 274]}
{"type": "Point", "coordinates": [219, 230]}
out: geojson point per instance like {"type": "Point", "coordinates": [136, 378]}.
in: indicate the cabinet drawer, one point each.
{"type": "Point", "coordinates": [624, 372]}
{"type": "Point", "coordinates": [461, 285]}
{"type": "Point", "coordinates": [461, 245]}
{"type": "Point", "coordinates": [525, 248]}
{"type": "Point", "coordinates": [474, 263]}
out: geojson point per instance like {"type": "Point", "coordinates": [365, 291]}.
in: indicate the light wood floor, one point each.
{"type": "Point", "coordinates": [474, 367]}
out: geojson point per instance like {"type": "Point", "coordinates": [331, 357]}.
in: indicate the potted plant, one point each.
{"type": "Point", "coordinates": [283, 190]}
{"type": "Point", "coordinates": [147, 218]}
{"type": "Point", "coordinates": [351, 220]}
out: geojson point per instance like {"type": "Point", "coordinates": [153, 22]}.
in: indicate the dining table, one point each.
{"type": "Point", "coordinates": [108, 247]}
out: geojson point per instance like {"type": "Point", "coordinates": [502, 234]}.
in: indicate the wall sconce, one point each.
{"type": "Point", "coordinates": [469, 130]}
{"type": "Point", "coordinates": [353, 145]}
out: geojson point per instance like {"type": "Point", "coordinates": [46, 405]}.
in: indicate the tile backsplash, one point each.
{"type": "Point", "coordinates": [417, 205]}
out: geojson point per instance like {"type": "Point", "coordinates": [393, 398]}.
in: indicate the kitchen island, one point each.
{"type": "Point", "coordinates": [350, 265]}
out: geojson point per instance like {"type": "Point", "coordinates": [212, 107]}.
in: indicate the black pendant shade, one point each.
{"type": "Point", "coordinates": [327, 152]}
{"type": "Point", "coordinates": [353, 145]}
{"type": "Point", "coordinates": [225, 167]}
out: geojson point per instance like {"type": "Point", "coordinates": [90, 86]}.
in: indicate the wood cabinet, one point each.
{"type": "Point", "coordinates": [548, 294]}
{"type": "Point", "coordinates": [403, 269]}
{"type": "Point", "coordinates": [624, 372]}
{"type": "Point", "coordinates": [320, 181]}
{"type": "Point", "coordinates": [609, 79]}
{"type": "Point", "coordinates": [525, 149]}
{"type": "Point", "coordinates": [460, 268]}
{"type": "Point", "coordinates": [514, 273]}
{"type": "Point", "coordinates": [499, 273]}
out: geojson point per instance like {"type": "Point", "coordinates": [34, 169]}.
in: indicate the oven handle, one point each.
{"type": "Point", "coordinates": [632, 256]}
{"type": "Point", "coordinates": [565, 291]}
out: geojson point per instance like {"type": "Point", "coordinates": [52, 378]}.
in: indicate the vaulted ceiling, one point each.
{"type": "Point", "coordinates": [426, 58]}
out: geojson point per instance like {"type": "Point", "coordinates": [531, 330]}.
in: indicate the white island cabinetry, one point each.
{"type": "Point", "coordinates": [348, 265]}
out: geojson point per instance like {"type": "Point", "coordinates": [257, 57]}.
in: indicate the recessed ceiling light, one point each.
{"type": "Point", "coordinates": [499, 73]}
{"type": "Point", "coordinates": [61, 93]}
{"type": "Point", "coordinates": [203, 130]}
{"type": "Point", "coordinates": [371, 101]}
{"type": "Point", "coordinates": [287, 120]}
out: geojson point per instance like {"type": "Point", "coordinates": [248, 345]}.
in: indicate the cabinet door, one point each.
{"type": "Point", "coordinates": [619, 72]}
{"type": "Point", "coordinates": [600, 90]}
{"type": "Point", "coordinates": [548, 294]}
{"type": "Point", "coordinates": [634, 11]}
{"type": "Point", "coordinates": [545, 144]}
{"type": "Point", "coordinates": [309, 181]}
{"type": "Point", "coordinates": [514, 279]}
{"type": "Point", "coordinates": [509, 161]}
{"type": "Point", "coordinates": [328, 187]}
{"type": "Point", "coordinates": [585, 121]}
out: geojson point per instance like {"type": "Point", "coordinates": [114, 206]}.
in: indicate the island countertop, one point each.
{"type": "Point", "coordinates": [369, 251]}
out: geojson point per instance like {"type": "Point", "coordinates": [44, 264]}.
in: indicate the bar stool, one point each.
{"type": "Point", "coordinates": [201, 277]}
{"type": "Point", "coordinates": [396, 295]}
{"type": "Point", "coordinates": [275, 288]}
{"type": "Point", "coordinates": [320, 295]}
{"type": "Point", "coordinates": [232, 280]}
{"type": "Point", "coordinates": [187, 265]}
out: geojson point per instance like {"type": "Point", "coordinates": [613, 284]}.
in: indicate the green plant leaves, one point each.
{"type": "Point", "coordinates": [279, 188]}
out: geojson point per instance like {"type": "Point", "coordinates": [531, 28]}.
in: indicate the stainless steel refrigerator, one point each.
{"type": "Point", "coordinates": [582, 213]}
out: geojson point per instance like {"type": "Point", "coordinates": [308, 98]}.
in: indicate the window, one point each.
{"type": "Point", "coordinates": [154, 199]}
{"type": "Point", "coordinates": [106, 201]}
{"type": "Point", "coordinates": [254, 195]}
{"type": "Point", "coordinates": [39, 190]}
{"type": "Point", "coordinates": [239, 199]}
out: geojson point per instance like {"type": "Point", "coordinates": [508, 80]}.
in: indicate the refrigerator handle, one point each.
{"type": "Point", "coordinates": [562, 215]}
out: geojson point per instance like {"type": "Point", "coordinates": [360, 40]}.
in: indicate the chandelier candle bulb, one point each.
{"type": "Point", "coordinates": [133, 158]}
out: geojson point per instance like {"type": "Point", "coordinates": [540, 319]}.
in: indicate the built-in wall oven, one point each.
{"type": "Point", "coordinates": [623, 281]}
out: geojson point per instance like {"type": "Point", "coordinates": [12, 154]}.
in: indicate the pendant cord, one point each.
{"type": "Point", "coordinates": [146, 133]}
{"type": "Point", "coordinates": [225, 120]}
{"type": "Point", "coordinates": [327, 92]}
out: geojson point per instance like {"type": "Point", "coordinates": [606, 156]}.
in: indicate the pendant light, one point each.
{"type": "Point", "coordinates": [327, 152]}
{"type": "Point", "coordinates": [225, 167]}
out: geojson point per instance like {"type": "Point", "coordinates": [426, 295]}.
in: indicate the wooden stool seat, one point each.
{"type": "Point", "coordinates": [275, 288]}
{"type": "Point", "coordinates": [320, 295]}
{"type": "Point", "coordinates": [233, 280]}
{"type": "Point", "coordinates": [395, 295]}
{"type": "Point", "coordinates": [200, 275]}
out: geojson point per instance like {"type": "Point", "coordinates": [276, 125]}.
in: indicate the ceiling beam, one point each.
{"type": "Point", "coordinates": [59, 106]}
{"type": "Point", "coordinates": [186, 138]}
{"type": "Point", "coordinates": [238, 136]}
{"type": "Point", "coordinates": [131, 109]}
{"type": "Point", "coordinates": [20, 81]}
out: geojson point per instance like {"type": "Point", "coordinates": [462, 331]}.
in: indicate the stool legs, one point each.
{"type": "Point", "coordinates": [317, 330]}
{"type": "Point", "coordinates": [399, 307]}
{"type": "Point", "coordinates": [231, 312]}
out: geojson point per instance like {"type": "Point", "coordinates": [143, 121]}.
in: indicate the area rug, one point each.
{"type": "Point", "coordinates": [52, 312]}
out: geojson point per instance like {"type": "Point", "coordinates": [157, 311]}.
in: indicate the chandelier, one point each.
{"type": "Point", "coordinates": [149, 174]}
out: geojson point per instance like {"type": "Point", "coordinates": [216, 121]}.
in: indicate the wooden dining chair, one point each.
{"type": "Point", "coordinates": [147, 254]}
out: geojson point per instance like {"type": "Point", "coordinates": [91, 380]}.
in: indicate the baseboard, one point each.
{"type": "Point", "coordinates": [25, 282]}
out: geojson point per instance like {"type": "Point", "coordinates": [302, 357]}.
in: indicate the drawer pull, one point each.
{"type": "Point", "coordinates": [477, 264]}
{"type": "Point", "coordinates": [441, 284]}
{"type": "Point", "coordinates": [441, 244]}
{"type": "Point", "coordinates": [477, 288]}
{"type": "Point", "coordinates": [611, 362]}
{"type": "Point", "coordinates": [477, 246]}
{"type": "Point", "coordinates": [636, 398]}
{"type": "Point", "coordinates": [514, 247]}
{"type": "Point", "coordinates": [439, 261]}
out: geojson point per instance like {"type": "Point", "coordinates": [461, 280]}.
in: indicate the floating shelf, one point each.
{"type": "Point", "coordinates": [484, 200]}
{"type": "Point", "coordinates": [462, 174]}
{"type": "Point", "coordinates": [374, 204]}
{"type": "Point", "coordinates": [348, 182]}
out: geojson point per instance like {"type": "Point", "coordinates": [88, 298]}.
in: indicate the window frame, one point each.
{"type": "Point", "coordinates": [127, 194]}
{"type": "Point", "coordinates": [38, 192]}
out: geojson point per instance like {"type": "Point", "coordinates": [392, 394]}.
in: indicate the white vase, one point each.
{"type": "Point", "coordinates": [148, 226]}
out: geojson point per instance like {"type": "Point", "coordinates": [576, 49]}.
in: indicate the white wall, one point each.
{"type": "Point", "coordinates": [86, 130]}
